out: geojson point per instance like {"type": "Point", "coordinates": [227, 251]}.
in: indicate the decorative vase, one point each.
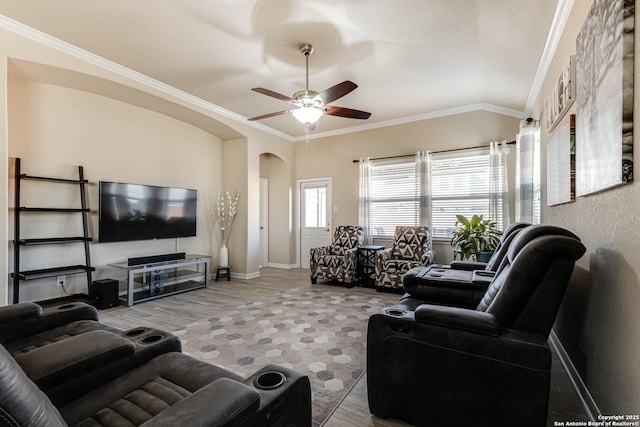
{"type": "Point", "coordinates": [224, 255]}
{"type": "Point", "coordinates": [225, 212]}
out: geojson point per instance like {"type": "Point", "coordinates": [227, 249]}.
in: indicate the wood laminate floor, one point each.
{"type": "Point", "coordinates": [174, 312]}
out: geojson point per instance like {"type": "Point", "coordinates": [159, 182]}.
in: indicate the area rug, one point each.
{"type": "Point", "coordinates": [317, 332]}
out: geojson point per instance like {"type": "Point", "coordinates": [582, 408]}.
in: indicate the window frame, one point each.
{"type": "Point", "coordinates": [481, 197]}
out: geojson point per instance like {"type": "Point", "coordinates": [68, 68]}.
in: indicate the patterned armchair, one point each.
{"type": "Point", "coordinates": [411, 248]}
{"type": "Point", "coordinates": [338, 261]}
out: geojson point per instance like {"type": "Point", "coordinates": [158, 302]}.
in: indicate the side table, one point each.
{"type": "Point", "coordinates": [367, 264]}
{"type": "Point", "coordinates": [223, 271]}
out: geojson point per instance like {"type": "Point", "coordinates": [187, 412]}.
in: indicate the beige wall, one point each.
{"type": "Point", "coordinates": [234, 153]}
{"type": "Point", "coordinates": [280, 211]}
{"type": "Point", "coordinates": [75, 108]}
{"type": "Point", "coordinates": [54, 129]}
{"type": "Point", "coordinates": [333, 157]}
{"type": "Point", "coordinates": [599, 322]}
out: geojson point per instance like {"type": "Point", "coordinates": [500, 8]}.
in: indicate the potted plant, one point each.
{"type": "Point", "coordinates": [475, 236]}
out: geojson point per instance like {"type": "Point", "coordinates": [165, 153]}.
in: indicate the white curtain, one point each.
{"type": "Point", "coordinates": [499, 188]}
{"type": "Point", "coordinates": [363, 203]}
{"type": "Point", "coordinates": [423, 172]}
{"type": "Point", "coordinates": [528, 172]}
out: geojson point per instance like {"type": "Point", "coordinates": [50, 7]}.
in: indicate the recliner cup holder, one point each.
{"type": "Point", "coordinates": [135, 332]}
{"type": "Point", "coordinates": [150, 339]}
{"type": "Point", "coordinates": [269, 380]}
{"type": "Point", "coordinates": [395, 312]}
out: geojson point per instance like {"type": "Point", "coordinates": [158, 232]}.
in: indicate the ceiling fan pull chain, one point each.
{"type": "Point", "coordinates": [307, 130]}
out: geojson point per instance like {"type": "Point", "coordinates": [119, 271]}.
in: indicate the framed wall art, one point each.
{"type": "Point", "coordinates": [562, 96]}
{"type": "Point", "coordinates": [604, 97]}
{"type": "Point", "coordinates": [561, 163]}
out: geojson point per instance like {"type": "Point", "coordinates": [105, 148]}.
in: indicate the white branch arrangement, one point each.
{"type": "Point", "coordinates": [225, 213]}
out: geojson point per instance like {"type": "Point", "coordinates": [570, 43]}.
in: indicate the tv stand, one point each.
{"type": "Point", "coordinates": [160, 279]}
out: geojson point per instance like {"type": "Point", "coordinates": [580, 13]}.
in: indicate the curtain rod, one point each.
{"type": "Point", "coordinates": [434, 152]}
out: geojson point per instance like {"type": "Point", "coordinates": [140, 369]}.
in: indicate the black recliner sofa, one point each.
{"type": "Point", "coordinates": [67, 352]}
{"type": "Point", "coordinates": [462, 284]}
{"type": "Point", "coordinates": [170, 390]}
{"type": "Point", "coordinates": [63, 367]}
{"type": "Point", "coordinates": [435, 364]}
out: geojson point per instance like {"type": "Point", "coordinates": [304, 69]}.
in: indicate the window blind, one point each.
{"type": "Point", "coordinates": [394, 197]}
{"type": "Point", "coordinates": [459, 185]}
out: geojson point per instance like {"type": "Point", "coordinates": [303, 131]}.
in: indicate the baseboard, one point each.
{"type": "Point", "coordinates": [244, 276]}
{"type": "Point", "coordinates": [283, 266]}
{"type": "Point", "coordinates": [589, 405]}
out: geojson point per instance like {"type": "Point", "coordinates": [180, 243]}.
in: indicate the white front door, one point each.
{"type": "Point", "coordinates": [264, 222]}
{"type": "Point", "coordinates": [315, 217]}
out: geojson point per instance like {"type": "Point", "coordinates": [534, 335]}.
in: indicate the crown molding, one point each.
{"type": "Point", "coordinates": [93, 59]}
{"type": "Point", "coordinates": [560, 17]}
{"type": "Point", "coordinates": [410, 119]}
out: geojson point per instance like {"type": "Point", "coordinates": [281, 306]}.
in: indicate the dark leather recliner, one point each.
{"type": "Point", "coordinates": [60, 366]}
{"type": "Point", "coordinates": [170, 390]}
{"type": "Point", "coordinates": [66, 352]}
{"type": "Point", "coordinates": [486, 366]}
{"type": "Point", "coordinates": [466, 287]}
{"type": "Point", "coordinates": [27, 319]}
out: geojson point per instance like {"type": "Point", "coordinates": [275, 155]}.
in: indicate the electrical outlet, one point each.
{"type": "Point", "coordinates": [60, 280]}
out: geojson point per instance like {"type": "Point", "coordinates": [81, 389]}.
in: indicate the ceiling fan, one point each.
{"type": "Point", "coordinates": [312, 105]}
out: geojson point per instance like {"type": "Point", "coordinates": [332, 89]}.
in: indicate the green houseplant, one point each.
{"type": "Point", "coordinates": [475, 236]}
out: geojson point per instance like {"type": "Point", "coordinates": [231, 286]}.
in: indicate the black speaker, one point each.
{"type": "Point", "coordinates": [156, 282]}
{"type": "Point", "coordinates": [105, 291]}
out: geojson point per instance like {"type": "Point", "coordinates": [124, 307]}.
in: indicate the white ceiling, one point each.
{"type": "Point", "coordinates": [410, 58]}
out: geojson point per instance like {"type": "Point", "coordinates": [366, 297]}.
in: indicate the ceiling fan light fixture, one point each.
{"type": "Point", "coordinates": [311, 104]}
{"type": "Point", "coordinates": [307, 115]}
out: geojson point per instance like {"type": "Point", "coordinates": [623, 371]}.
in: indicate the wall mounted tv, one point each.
{"type": "Point", "coordinates": [144, 212]}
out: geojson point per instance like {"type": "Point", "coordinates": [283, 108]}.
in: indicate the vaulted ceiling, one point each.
{"type": "Point", "coordinates": [409, 58]}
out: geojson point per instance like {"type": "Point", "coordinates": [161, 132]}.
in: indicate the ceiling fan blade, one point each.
{"type": "Point", "coordinates": [337, 91]}
{"type": "Point", "coordinates": [346, 112]}
{"type": "Point", "coordinates": [273, 94]}
{"type": "Point", "coordinates": [266, 116]}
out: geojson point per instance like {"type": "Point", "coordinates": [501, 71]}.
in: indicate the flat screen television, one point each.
{"type": "Point", "coordinates": [144, 212]}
